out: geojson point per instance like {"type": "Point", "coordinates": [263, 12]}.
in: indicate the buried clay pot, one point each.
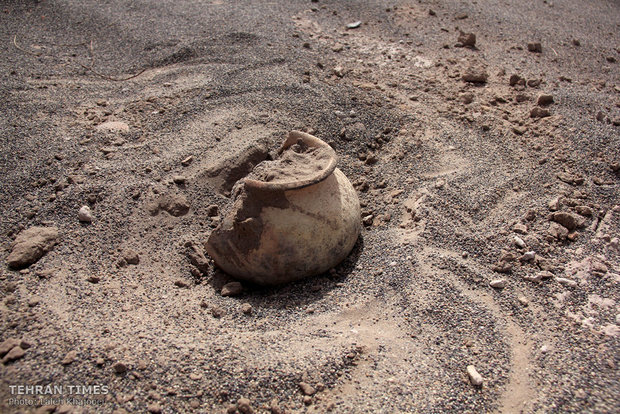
{"type": "Point", "coordinates": [293, 217]}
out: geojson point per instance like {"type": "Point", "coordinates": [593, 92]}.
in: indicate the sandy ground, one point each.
{"type": "Point", "coordinates": [450, 158]}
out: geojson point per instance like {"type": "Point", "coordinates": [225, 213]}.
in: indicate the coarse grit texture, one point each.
{"type": "Point", "coordinates": [483, 139]}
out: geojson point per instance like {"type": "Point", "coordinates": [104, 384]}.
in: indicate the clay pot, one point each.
{"type": "Point", "coordinates": [286, 229]}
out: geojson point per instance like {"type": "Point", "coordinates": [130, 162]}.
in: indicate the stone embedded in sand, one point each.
{"type": "Point", "coordinates": [232, 289]}
{"type": "Point", "coordinates": [69, 358]}
{"type": "Point", "coordinates": [568, 220]}
{"type": "Point", "coordinates": [154, 408]}
{"type": "Point", "coordinates": [474, 377]}
{"type": "Point", "coordinates": [554, 204]}
{"type": "Point", "coordinates": [534, 83]}
{"type": "Point", "coordinates": [113, 126]}
{"type": "Point", "coordinates": [274, 407]}
{"type": "Point", "coordinates": [245, 406]}
{"type": "Point", "coordinates": [534, 47]}
{"type": "Point", "coordinates": [566, 282]}
{"type": "Point", "coordinates": [213, 210]}
{"type": "Point", "coordinates": [538, 112]}
{"type": "Point", "coordinates": [15, 353]}
{"type": "Point", "coordinates": [217, 312]}
{"type": "Point", "coordinates": [119, 367]}
{"type": "Point", "coordinates": [584, 211]}
{"type": "Point", "coordinates": [544, 99]}
{"type": "Point", "coordinates": [175, 204]}
{"type": "Point", "coordinates": [306, 388]}
{"type": "Point", "coordinates": [545, 274]}
{"type": "Point", "coordinates": [498, 283]}
{"type": "Point", "coordinates": [558, 231]}
{"type": "Point", "coordinates": [533, 278]}
{"type": "Point", "coordinates": [475, 75]}
{"type": "Point", "coordinates": [503, 266]}
{"type": "Point", "coordinates": [527, 256]}
{"type": "Point", "coordinates": [246, 308]}
{"type": "Point", "coordinates": [467, 39]}
{"type": "Point", "coordinates": [196, 256]}
{"type": "Point", "coordinates": [519, 242]}
{"type": "Point", "coordinates": [520, 228]}
{"type": "Point", "coordinates": [181, 283]}
{"type": "Point", "coordinates": [467, 98]}
{"type": "Point", "coordinates": [30, 245]}
{"type": "Point", "coordinates": [7, 345]}
{"type": "Point", "coordinates": [516, 80]}
{"type": "Point", "coordinates": [85, 215]}
{"type": "Point", "coordinates": [130, 256]}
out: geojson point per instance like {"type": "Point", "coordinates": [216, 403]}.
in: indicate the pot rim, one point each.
{"type": "Point", "coordinates": [292, 139]}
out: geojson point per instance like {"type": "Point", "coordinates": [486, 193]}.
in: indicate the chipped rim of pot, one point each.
{"type": "Point", "coordinates": [291, 139]}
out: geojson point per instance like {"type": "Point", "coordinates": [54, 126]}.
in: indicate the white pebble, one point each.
{"type": "Point", "coordinates": [475, 378]}
{"type": "Point", "coordinates": [566, 282]}
{"type": "Point", "coordinates": [85, 214]}
{"type": "Point", "coordinates": [519, 242]}
{"type": "Point", "coordinates": [533, 278]}
{"type": "Point", "coordinates": [498, 283]}
{"type": "Point", "coordinates": [529, 255]}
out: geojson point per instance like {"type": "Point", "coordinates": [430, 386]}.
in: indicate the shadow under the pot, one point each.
{"type": "Point", "coordinates": [295, 294]}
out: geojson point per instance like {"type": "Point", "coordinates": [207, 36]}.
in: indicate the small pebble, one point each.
{"type": "Point", "coordinates": [181, 283]}
{"type": "Point", "coordinates": [520, 228]}
{"type": "Point", "coordinates": [306, 388]}
{"type": "Point", "coordinates": [187, 161]}
{"type": "Point", "coordinates": [119, 367]}
{"type": "Point", "coordinates": [544, 99]}
{"type": "Point", "coordinates": [534, 47]}
{"type": "Point", "coordinates": [154, 408]}
{"type": "Point", "coordinates": [519, 242]}
{"type": "Point", "coordinates": [354, 25]}
{"type": "Point", "coordinates": [179, 179]}
{"type": "Point", "coordinates": [217, 312]}
{"type": "Point", "coordinates": [246, 308]}
{"type": "Point", "coordinates": [566, 282]}
{"type": "Point", "coordinates": [538, 112]}
{"type": "Point", "coordinates": [533, 278]}
{"type": "Point", "coordinates": [232, 289]}
{"type": "Point", "coordinates": [475, 75]}
{"type": "Point", "coordinates": [498, 283]}
{"type": "Point", "coordinates": [545, 274]}
{"type": "Point", "coordinates": [69, 358]}
{"type": "Point", "coordinates": [213, 210]}
{"type": "Point", "coordinates": [244, 406]}
{"type": "Point", "coordinates": [475, 378]}
{"type": "Point", "coordinates": [131, 256]}
{"type": "Point", "coordinates": [85, 215]}
{"type": "Point", "coordinates": [467, 39]}
{"type": "Point", "coordinates": [14, 354]}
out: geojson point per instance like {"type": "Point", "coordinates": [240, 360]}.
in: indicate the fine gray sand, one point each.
{"type": "Point", "coordinates": [483, 138]}
{"type": "Point", "coordinates": [297, 162]}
